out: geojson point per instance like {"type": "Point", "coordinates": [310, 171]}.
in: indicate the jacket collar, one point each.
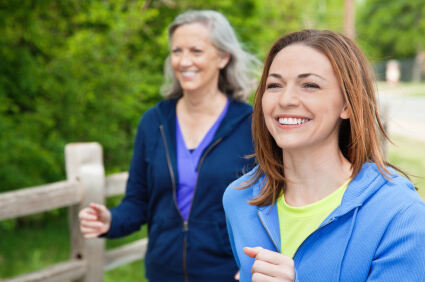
{"type": "Point", "coordinates": [359, 190]}
{"type": "Point", "coordinates": [237, 112]}
{"type": "Point", "coordinates": [268, 215]}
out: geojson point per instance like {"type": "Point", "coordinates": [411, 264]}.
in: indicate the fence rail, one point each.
{"type": "Point", "coordinates": [86, 182]}
{"type": "Point", "coordinates": [40, 198]}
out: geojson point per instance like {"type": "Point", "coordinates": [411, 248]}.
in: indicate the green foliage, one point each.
{"type": "Point", "coordinates": [78, 71]}
{"type": "Point", "coordinates": [42, 244]}
{"type": "Point", "coordinates": [405, 155]}
{"type": "Point", "coordinates": [391, 29]}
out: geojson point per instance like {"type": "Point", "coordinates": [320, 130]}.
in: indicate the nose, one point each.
{"type": "Point", "coordinates": [289, 96]}
{"type": "Point", "coordinates": [185, 59]}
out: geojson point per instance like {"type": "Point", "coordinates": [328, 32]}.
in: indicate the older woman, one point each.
{"type": "Point", "coordinates": [188, 149]}
{"type": "Point", "coordinates": [322, 204]}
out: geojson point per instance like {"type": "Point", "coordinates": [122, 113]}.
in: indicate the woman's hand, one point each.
{"type": "Point", "coordinates": [94, 220]}
{"type": "Point", "coordinates": [270, 266]}
{"type": "Point", "coordinates": [237, 275]}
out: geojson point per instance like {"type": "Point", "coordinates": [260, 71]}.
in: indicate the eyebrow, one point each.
{"type": "Point", "coordinates": [303, 75]}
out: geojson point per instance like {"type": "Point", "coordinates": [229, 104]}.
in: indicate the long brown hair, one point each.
{"type": "Point", "coordinates": [358, 135]}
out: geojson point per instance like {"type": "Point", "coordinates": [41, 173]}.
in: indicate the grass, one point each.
{"type": "Point", "coordinates": [409, 155]}
{"type": "Point", "coordinates": [33, 246]}
{"type": "Point", "coordinates": [409, 89]}
{"type": "Point", "coordinates": [39, 244]}
{"type": "Point", "coordinates": [417, 94]}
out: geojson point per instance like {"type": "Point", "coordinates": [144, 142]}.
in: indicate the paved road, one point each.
{"type": "Point", "coordinates": [406, 114]}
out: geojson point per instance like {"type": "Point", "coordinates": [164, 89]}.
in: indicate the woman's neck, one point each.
{"type": "Point", "coordinates": [314, 173]}
{"type": "Point", "coordinates": [203, 103]}
{"type": "Point", "coordinates": [197, 112]}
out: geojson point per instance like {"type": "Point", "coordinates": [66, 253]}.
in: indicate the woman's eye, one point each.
{"type": "Point", "coordinates": [197, 51]}
{"type": "Point", "coordinates": [311, 85]}
{"type": "Point", "coordinates": [175, 51]}
{"type": "Point", "coordinates": [272, 85]}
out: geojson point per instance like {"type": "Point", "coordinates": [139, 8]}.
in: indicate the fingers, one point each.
{"type": "Point", "coordinates": [252, 252]}
{"type": "Point", "coordinates": [269, 264]}
{"type": "Point", "coordinates": [97, 207]}
{"type": "Point", "coordinates": [94, 224]}
{"type": "Point", "coordinates": [102, 212]}
{"type": "Point", "coordinates": [90, 232]}
{"type": "Point", "coordinates": [260, 277]}
{"type": "Point", "coordinates": [87, 214]}
{"type": "Point", "coordinates": [237, 275]}
{"type": "Point", "coordinates": [94, 220]}
{"type": "Point", "coordinates": [273, 257]}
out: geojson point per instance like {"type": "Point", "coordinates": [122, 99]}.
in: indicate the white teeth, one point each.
{"type": "Point", "coordinates": [188, 73]}
{"type": "Point", "coordinates": [292, 121]}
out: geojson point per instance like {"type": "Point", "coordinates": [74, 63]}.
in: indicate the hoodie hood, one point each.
{"type": "Point", "coordinates": [359, 190]}
{"type": "Point", "coordinates": [378, 223]}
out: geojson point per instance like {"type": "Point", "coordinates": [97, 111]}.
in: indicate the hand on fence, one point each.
{"type": "Point", "coordinates": [95, 220]}
{"type": "Point", "coordinates": [270, 266]}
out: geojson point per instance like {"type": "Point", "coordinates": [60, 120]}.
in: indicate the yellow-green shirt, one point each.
{"type": "Point", "coordinates": [297, 223]}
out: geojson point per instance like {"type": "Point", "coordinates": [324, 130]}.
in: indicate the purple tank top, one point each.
{"type": "Point", "coordinates": [187, 161]}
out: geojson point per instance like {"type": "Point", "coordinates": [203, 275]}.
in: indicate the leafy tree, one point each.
{"type": "Point", "coordinates": [86, 70]}
{"type": "Point", "coordinates": [391, 29]}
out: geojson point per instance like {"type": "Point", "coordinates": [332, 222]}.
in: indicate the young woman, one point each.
{"type": "Point", "coordinates": [322, 204]}
{"type": "Point", "coordinates": [188, 149]}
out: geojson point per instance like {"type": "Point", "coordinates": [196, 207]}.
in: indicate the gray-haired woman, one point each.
{"type": "Point", "coordinates": [188, 148]}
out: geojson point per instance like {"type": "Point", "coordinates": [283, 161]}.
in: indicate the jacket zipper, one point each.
{"type": "Point", "coordinates": [267, 230]}
{"type": "Point", "coordinates": [330, 221]}
{"type": "Point", "coordinates": [274, 243]}
{"type": "Point", "coordinates": [170, 168]}
{"type": "Point", "coordinates": [185, 222]}
{"type": "Point", "coordinates": [173, 182]}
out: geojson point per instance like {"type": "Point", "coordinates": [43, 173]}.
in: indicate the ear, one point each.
{"type": "Point", "coordinates": [345, 114]}
{"type": "Point", "coordinates": [224, 60]}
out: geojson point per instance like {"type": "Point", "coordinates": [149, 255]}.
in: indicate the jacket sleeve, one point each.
{"type": "Point", "coordinates": [131, 213]}
{"type": "Point", "coordinates": [232, 242]}
{"type": "Point", "coordinates": [401, 253]}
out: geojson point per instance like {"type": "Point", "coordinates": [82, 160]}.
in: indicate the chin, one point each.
{"type": "Point", "coordinates": [290, 145]}
{"type": "Point", "coordinates": [188, 87]}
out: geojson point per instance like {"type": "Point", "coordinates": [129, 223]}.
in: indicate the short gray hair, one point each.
{"type": "Point", "coordinates": [238, 78]}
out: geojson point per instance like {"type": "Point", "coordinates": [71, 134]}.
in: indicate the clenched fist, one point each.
{"type": "Point", "coordinates": [94, 220]}
{"type": "Point", "coordinates": [270, 266]}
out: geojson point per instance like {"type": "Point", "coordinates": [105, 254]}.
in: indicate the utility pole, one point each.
{"type": "Point", "coordinates": [349, 19]}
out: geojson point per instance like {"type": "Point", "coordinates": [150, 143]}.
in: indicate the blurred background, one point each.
{"type": "Point", "coordinates": [86, 70]}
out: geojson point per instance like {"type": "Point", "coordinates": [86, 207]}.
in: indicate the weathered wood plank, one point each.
{"type": "Point", "coordinates": [115, 184]}
{"type": "Point", "coordinates": [39, 198]}
{"type": "Point", "coordinates": [84, 161]}
{"type": "Point", "coordinates": [125, 254]}
{"type": "Point", "coordinates": [59, 272]}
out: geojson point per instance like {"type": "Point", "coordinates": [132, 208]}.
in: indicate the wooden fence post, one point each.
{"type": "Point", "coordinates": [84, 162]}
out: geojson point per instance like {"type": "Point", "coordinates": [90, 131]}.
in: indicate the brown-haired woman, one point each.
{"type": "Point", "coordinates": [322, 204]}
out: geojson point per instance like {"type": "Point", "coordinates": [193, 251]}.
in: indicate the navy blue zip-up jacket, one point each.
{"type": "Point", "coordinates": [199, 249]}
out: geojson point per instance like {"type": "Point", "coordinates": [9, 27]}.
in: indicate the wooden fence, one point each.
{"type": "Point", "coordinates": [86, 182]}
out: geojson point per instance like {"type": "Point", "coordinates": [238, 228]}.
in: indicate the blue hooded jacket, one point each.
{"type": "Point", "coordinates": [376, 234]}
{"type": "Point", "coordinates": [197, 249]}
